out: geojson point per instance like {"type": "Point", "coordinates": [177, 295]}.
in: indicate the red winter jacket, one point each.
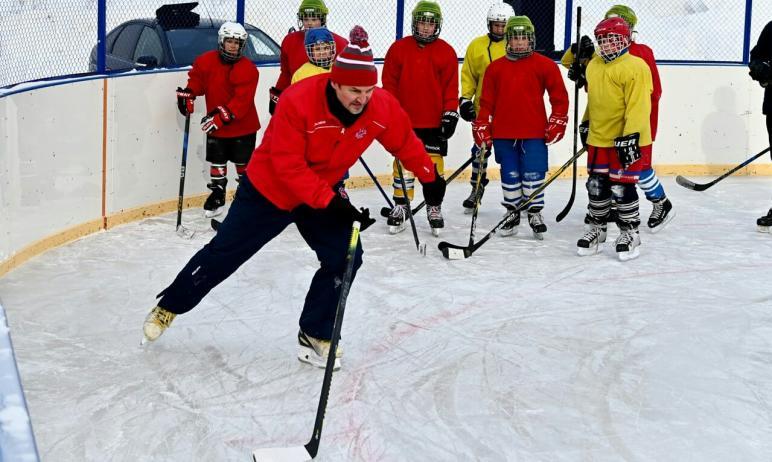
{"type": "Point", "coordinates": [230, 85]}
{"type": "Point", "coordinates": [293, 55]}
{"type": "Point", "coordinates": [513, 93]}
{"type": "Point", "coordinates": [424, 79]}
{"type": "Point", "coordinates": [645, 53]}
{"type": "Point", "coordinates": [306, 150]}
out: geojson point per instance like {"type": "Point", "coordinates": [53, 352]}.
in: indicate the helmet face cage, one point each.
{"type": "Point", "coordinates": [321, 53]}
{"type": "Point", "coordinates": [524, 48]}
{"type": "Point", "coordinates": [312, 13]}
{"type": "Point", "coordinates": [611, 46]}
{"type": "Point", "coordinates": [231, 31]}
{"type": "Point", "coordinates": [426, 17]}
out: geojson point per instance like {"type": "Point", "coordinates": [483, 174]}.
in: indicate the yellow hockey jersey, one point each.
{"type": "Point", "coordinates": [479, 54]}
{"type": "Point", "coordinates": [307, 70]}
{"type": "Point", "coordinates": [618, 99]}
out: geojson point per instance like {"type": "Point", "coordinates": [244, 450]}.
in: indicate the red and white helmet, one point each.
{"type": "Point", "coordinates": [613, 37]}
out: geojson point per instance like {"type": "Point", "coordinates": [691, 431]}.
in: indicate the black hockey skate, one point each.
{"type": "Point", "coordinates": [627, 244]}
{"type": "Point", "coordinates": [764, 223]}
{"type": "Point", "coordinates": [397, 218]}
{"type": "Point", "coordinates": [215, 203]}
{"type": "Point", "coordinates": [510, 227]}
{"type": "Point", "coordinates": [589, 244]}
{"type": "Point", "coordinates": [473, 198]}
{"type": "Point", "coordinates": [661, 214]}
{"type": "Point", "coordinates": [536, 221]}
{"type": "Point", "coordinates": [434, 215]}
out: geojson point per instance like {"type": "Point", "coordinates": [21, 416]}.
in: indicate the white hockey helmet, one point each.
{"type": "Point", "coordinates": [498, 12]}
{"type": "Point", "coordinates": [232, 30]}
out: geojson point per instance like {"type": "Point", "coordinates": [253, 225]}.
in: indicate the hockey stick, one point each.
{"type": "Point", "coordinates": [689, 184]}
{"type": "Point", "coordinates": [181, 230]}
{"type": "Point", "coordinates": [385, 211]}
{"type": "Point", "coordinates": [477, 185]}
{"type": "Point", "coordinates": [457, 252]}
{"type": "Point", "coordinates": [310, 449]}
{"type": "Point", "coordinates": [380, 188]}
{"type": "Point", "coordinates": [577, 64]}
{"type": "Point", "coordinates": [420, 247]}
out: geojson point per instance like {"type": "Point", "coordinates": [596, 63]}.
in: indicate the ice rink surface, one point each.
{"type": "Point", "coordinates": [524, 352]}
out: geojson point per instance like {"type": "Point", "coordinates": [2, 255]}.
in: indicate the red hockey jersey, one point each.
{"type": "Point", "coordinates": [293, 55]}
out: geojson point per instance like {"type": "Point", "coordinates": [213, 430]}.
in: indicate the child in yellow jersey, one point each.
{"type": "Point", "coordinates": [320, 48]}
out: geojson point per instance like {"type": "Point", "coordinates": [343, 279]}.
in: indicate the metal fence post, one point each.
{"type": "Point", "coordinates": [240, 11]}
{"type": "Point", "coordinates": [101, 35]}
{"type": "Point", "coordinates": [747, 34]}
{"type": "Point", "coordinates": [569, 20]}
{"type": "Point", "coordinates": [400, 18]}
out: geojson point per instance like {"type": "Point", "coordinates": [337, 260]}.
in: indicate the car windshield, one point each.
{"type": "Point", "coordinates": [187, 44]}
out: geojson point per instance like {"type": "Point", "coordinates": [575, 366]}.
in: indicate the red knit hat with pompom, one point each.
{"type": "Point", "coordinates": [354, 65]}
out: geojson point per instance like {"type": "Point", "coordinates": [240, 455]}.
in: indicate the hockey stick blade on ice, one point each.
{"type": "Point", "coordinates": [458, 252]}
{"type": "Point", "coordinates": [310, 449]}
{"type": "Point", "coordinates": [385, 211]}
{"type": "Point", "coordinates": [689, 184]}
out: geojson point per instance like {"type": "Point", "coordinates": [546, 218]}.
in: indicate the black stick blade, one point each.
{"type": "Point", "coordinates": [215, 224]}
{"type": "Point", "coordinates": [454, 252]}
{"type": "Point", "coordinates": [689, 184]}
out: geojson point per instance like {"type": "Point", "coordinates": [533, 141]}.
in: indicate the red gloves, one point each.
{"type": "Point", "coordinates": [481, 132]}
{"type": "Point", "coordinates": [556, 128]}
{"type": "Point", "coordinates": [216, 119]}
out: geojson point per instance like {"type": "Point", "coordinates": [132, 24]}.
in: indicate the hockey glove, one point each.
{"type": "Point", "coordinates": [761, 71]}
{"type": "Point", "coordinates": [185, 99]}
{"type": "Point", "coordinates": [434, 191]}
{"type": "Point", "coordinates": [448, 124]}
{"type": "Point", "coordinates": [585, 50]}
{"type": "Point", "coordinates": [340, 209]}
{"type": "Point", "coordinates": [556, 128]}
{"type": "Point", "coordinates": [466, 109]}
{"type": "Point", "coordinates": [584, 132]}
{"type": "Point", "coordinates": [481, 132]}
{"type": "Point", "coordinates": [627, 148]}
{"type": "Point", "coordinates": [576, 73]}
{"type": "Point", "coordinates": [216, 119]}
{"type": "Point", "coordinates": [273, 99]}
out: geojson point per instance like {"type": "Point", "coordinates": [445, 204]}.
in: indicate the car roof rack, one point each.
{"type": "Point", "coordinates": [177, 16]}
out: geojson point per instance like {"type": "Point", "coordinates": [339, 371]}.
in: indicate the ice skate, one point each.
{"type": "Point", "coordinates": [764, 223]}
{"type": "Point", "coordinates": [215, 203]}
{"type": "Point", "coordinates": [314, 351]}
{"type": "Point", "coordinates": [589, 244]}
{"type": "Point", "coordinates": [397, 219]}
{"type": "Point", "coordinates": [156, 322]}
{"type": "Point", "coordinates": [469, 202]}
{"type": "Point", "coordinates": [627, 244]}
{"type": "Point", "coordinates": [536, 221]}
{"type": "Point", "coordinates": [661, 214]}
{"type": "Point", "coordinates": [434, 215]}
{"type": "Point", "coordinates": [510, 227]}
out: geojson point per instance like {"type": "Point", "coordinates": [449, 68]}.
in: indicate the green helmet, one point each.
{"type": "Point", "coordinates": [624, 12]}
{"type": "Point", "coordinates": [312, 9]}
{"type": "Point", "coordinates": [517, 27]}
{"type": "Point", "coordinates": [427, 11]}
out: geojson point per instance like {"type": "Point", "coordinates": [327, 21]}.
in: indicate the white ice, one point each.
{"type": "Point", "coordinates": [524, 352]}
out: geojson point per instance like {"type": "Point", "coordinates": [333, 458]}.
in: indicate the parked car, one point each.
{"type": "Point", "coordinates": [174, 38]}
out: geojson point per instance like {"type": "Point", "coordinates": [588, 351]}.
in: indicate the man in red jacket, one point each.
{"type": "Point", "coordinates": [228, 80]}
{"type": "Point", "coordinates": [311, 14]}
{"type": "Point", "coordinates": [421, 70]}
{"type": "Point", "coordinates": [319, 130]}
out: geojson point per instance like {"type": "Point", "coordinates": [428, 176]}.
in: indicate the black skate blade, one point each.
{"type": "Point", "coordinates": [293, 454]}
{"type": "Point", "coordinates": [454, 252]}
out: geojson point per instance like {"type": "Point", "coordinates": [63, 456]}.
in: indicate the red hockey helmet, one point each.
{"type": "Point", "coordinates": [613, 36]}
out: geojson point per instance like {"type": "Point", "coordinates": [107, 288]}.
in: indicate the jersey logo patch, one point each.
{"type": "Point", "coordinates": [360, 133]}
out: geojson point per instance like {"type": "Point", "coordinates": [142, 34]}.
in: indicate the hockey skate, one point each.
{"type": "Point", "coordinates": [536, 221]}
{"type": "Point", "coordinates": [589, 244]}
{"type": "Point", "coordinates": [627, 244]}
{"type": "Point", "coordinates": [215, 203]}
{"type": "Point", "coordinates": [510, 227]}
{"type": "Point", "coordinates": [397, 219]}
{"type": "Point", "coordinates": [764, 224]}
{"type": "Point", "coordinates": [156, 322]}
{"type": "Point", "coordinates": [314, 351]}
{"type": "Point", "coordinates": [473, 199]}
{"type": "Point", "coordinates": [661, 214]}
{"type": "Point", "coordinates": [434, 215]}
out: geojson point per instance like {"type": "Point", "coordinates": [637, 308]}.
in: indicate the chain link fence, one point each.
{"type": "Point", "coordinates": [49, 38]}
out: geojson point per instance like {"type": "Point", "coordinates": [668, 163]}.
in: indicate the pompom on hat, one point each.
{"type": "Point", "coordinates": [354, 65]}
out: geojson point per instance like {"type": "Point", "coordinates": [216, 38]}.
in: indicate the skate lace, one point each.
{"type": "Point", "coordinates": [626, 238]}
{"type": "Point", "coordinates": [434, 212]}
{"type": "Point", "coordinates": [592, 234]}
{"type": "Point", "coordinates": [398, 211]}
{"type": "Point", "coordinates": [535, 219]}
{"type": "Point", "coordinates": [658, 210]}
{"type": "Point", "coordinates": [163, 317]}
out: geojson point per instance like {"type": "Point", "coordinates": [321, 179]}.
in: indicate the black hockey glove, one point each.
{"type": "Point", "coordinates": [576, 73]}
{"type": "Point", "coordinates": [466, 109]}
{"type": "Point", "coordinates": [342, 210]}
{"type": "Point", "coordinates": [434, 191]}
{"type": "Point", "coordinates": [185, 99]}
{"type": "Point", "coordinates": [760, 71]}
{"type": "Point", "coordinates": [586, 48]}
{"type": "Point", "coordinates": [584, 132]}
{"type": "Point", "coordinates": [273, 99]}
{"type": "Point", "coordinates": [448, 124]}
{"type": "Point", "coordinates": [627, 148]}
